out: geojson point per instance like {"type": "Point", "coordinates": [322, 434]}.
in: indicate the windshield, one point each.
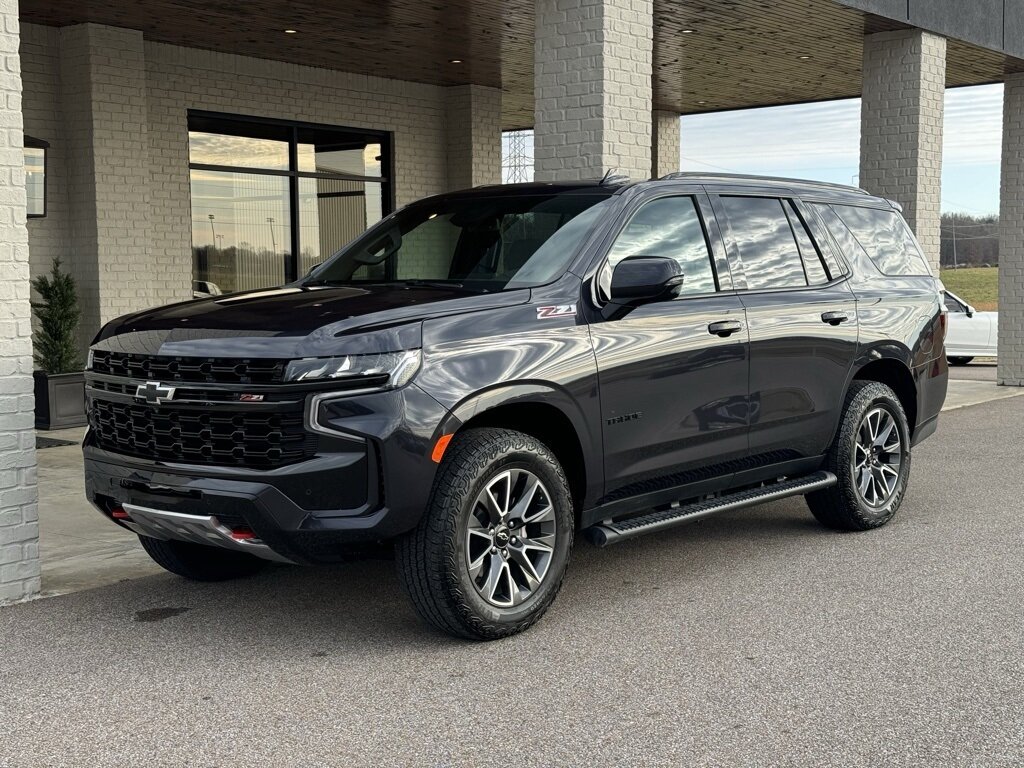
{"type": "Point", "coordinates": [477, 243]}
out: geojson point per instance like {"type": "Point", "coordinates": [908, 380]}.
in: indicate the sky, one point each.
{"type": "Point", "coordinates": [822, 141]}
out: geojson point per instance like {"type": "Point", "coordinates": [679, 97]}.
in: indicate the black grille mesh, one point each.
{"type": "Point", "coordinates": [251, 439]}
{"type": "Point", "coordinates": [190, 369]}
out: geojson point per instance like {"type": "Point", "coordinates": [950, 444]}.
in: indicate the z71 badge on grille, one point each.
{"type": "Point", "coordinates": [154, 392]}
{"type": "Point", "coordinates": [560, 310]}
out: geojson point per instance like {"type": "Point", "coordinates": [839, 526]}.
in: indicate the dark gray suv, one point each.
{"type": "Point", "coordinates": [484, 374]}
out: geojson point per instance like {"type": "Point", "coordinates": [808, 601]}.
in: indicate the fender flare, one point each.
{"type": "Point", "coordinates": [538, 393]}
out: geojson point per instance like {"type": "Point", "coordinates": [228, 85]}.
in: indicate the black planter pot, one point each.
{"type": "Point", "coordinates": [60, 400]}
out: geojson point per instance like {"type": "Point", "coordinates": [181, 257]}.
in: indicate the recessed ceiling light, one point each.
{"type": "Point", "coordinates": [702, 102]}
{"type": "Point", "coordinates": [687, 31]}
{"type": "Point", "coordinates": [803, 58]}
{"type": "Point", "coordinates": [454, 61]}
{"type": "Point", "coordinates": [291, 31]}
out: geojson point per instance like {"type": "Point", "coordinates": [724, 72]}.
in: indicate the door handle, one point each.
{"type": "Point", "coordinates": [834, 318]}
{"type": "Point", "coordinates": [725, 328]}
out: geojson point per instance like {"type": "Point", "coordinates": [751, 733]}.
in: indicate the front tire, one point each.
{"type": "Point", "coordinates": [488, 557]}
{"type": "Point", "coordinates": [959, 360]}
{"type": "Point", "coordinates": [200, 563]}
{"type": "Point", "coordinates": [870, 458]}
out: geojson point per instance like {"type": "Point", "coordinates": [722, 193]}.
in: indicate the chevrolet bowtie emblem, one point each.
{"type": "Point", "coordinates": [154, 392]}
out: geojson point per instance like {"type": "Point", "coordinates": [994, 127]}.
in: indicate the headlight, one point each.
{"type": "Point", "coordinates": [88, 361]}
{"type": "Point", "coordinates": [399, 367]}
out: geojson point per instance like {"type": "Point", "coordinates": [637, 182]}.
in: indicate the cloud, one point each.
{"type": "Point", "coordinates": [822, 141]}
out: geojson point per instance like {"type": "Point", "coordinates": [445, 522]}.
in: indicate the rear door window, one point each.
{"type": "Point", "coordinates": [813, 264]}
{"type": "Point", "coordinates": [886, 239]}
{"type": "Point", "coordinates": [760, 232]}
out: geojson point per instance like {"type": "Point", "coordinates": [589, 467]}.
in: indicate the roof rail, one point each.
{"type": "Point", "coordinates": [752, 177]}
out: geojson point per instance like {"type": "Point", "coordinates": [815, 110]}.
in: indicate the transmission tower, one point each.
{"type": "Point", "coordinates": [517, 164]}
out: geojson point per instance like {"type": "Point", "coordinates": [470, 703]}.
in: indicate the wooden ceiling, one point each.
{"type": "Point", "coordinates": [740, 53]}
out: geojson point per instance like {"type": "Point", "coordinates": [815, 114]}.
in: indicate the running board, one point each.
{"type": "Point", "coordinates": [613, 532]}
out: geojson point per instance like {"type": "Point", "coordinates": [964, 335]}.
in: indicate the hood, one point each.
{"type": "Point", "coordinates": [295, 321]}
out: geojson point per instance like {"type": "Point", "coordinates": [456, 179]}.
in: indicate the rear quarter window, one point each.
{"type": "Point", "coordinates": [882, 234]}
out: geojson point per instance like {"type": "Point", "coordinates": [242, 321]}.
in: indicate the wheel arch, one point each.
{"type": "Point", "coordinates": [547, 413]}
{"type": "Point", "coordinates": [895, 373]}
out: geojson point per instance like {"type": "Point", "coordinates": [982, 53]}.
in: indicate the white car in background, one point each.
{"type": "Point", "coordinates": [970, 333]}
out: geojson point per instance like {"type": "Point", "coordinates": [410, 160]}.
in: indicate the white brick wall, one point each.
{"type": "Point", "coordinates": [19, 529]}
{"type": "Point", "coordinates": [904, 76]}
{"type": "Point", "coordinates": [592, 88]}
{"type": "Point", "coordinates": [473, 127]}
{"type": "Point", "coordinates": [1011, 236]}
{"type": "Point", "coordinates": [665, 143]}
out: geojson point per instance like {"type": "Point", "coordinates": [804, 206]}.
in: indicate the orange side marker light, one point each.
{"type": "Point", "coordinates": [439, 447]}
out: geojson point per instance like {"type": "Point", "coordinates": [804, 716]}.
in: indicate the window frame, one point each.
{"type": "Point", "coordinates": [813, 229]}
{"type": "Point", "coordinates": [34, 143]}
{"type": "Point", "coordinates": [709, 228]}
{"type": "Point", "coordinates": [292, 129]}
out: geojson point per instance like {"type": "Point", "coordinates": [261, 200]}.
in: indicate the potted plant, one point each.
{"type": "Point", "coordinates": [59, 380]}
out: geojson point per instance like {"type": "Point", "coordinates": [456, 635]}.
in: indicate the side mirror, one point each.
{"type": "Point", "coordinates": [645, 278]}
{"type": "Point", "coordinates": [970, 311]}
{"type": "Point", "coordinates": [313, 269]}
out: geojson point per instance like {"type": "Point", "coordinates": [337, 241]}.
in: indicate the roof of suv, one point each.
{"type": "Point", "coordinates": [618, 183]}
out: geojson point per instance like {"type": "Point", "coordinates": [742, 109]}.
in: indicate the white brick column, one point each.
{"type": "Point", "coordinates": [103, 82]}
{"type": "Point", "coordinates": [1011, 236]}
{"type": "Point", "coordinates": [901, 127]}
{"type": "Point", "coordinates": [19, 527]}
{"type": "Point", "coordinates": [665, 144]}
{"type": "Point", "coordinates": [592, 88]}
{"type": "Point", "coordinates": [473, 126]}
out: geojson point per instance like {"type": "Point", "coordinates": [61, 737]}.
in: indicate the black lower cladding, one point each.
{"type": "Point", "coordinates": [202, 435]}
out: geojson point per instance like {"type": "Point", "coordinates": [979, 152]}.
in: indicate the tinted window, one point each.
{"type": "Point", "coordinates": [885, 238]}
{"type": "Point", "coordinates": [952, 304]}
{"type": "Point", "coordinates": [760, 228]}
{"type": "Point", "coordinates": [479, 243]}
{"type": "Point", "coordinates": [669, 227]}
{"type": "Point", "coordinates": [813, 266]}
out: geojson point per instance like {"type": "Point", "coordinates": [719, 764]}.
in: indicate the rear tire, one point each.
{"type": "Point", "coordinates": [200, 563]}
{"type": "Point", "coordinates": [872, 471]}
{"type": "Point", "coordinates": [488, 556]}
{"type": "Point", "coordinates": [959, 360]}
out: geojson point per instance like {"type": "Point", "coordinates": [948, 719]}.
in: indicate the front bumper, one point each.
{"type": "Point", "coordinates": [367, 482]}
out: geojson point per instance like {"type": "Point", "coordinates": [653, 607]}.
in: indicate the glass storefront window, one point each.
{"type": "Point", "coordinates": [35, 177]}
{"type": "Point", "coordinates": [271, 200]}
{"type": "Point", "coordinates": [241, 229]}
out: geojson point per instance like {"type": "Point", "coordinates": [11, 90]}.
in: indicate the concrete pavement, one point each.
{"type": "Point", "coordinates": [752, 639]}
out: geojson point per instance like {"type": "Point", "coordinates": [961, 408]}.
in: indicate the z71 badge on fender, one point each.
{"type": "Point", "coordinates": [560, 310]}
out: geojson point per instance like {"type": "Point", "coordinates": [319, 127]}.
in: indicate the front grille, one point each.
{"type": "Point", "coordinates": [258, 439]}
{"type": "Point", "coordinates": [201, 370]}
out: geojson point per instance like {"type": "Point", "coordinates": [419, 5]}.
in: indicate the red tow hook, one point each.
{"type": "Point", "coordinates": [243, 534]}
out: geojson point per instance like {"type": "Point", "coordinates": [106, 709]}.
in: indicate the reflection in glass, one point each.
{"type": "Point", "coordinates": [885, 238]}
{"type": "Point", "coordinates": [813, 266]}
{"type": "Point", "coordinates": [35, 180]}
{"type": "Point", "coordinates": [765, 241]}
{"type": "Point", "coordinates": [333, 212]}
{"type": "Point", "coordinates": [241, 232]}
{"type": "Point", "coordinates": [351, 158]}
{"type": "Point", "coordinates": [669, 227]}
{"type": "Point", "coordinates": [239, 151]}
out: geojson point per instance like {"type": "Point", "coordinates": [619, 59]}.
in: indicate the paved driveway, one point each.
{"type": "Point", "coordinates": [751, 639]}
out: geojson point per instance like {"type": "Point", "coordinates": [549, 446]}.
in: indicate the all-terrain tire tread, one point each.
{"type": "Point", "coordinates": [839, 506]}
{"type": "Point", "coordinates": [427, 565]}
